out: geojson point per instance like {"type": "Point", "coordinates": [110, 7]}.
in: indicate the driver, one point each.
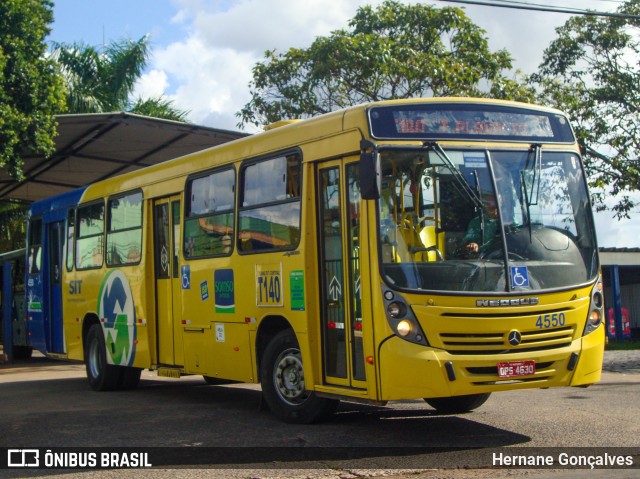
{"type": "Point", "coordinates": [482, 229]}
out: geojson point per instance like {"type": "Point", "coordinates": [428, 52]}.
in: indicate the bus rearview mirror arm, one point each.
{"type": "Point", "coordinates": [370, 171]}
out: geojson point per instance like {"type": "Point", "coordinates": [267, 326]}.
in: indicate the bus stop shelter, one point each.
{"type": "Point", "coordinates": [90, 148]}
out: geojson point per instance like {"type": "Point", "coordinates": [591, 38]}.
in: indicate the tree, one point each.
{"type": "Point", "coordinates": [31, 89]}
{"type": "Point", "coordinates": [12, 225]}
{"type": "Point", "coordinates": [102, 80]}
{"type": "Point", "coordinates": [394, 51]}
{"type": "Point", "coordinates": [592, 71]}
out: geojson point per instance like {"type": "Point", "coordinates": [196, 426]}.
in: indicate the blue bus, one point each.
{"type": "Point", "coordinates": [48, 221]}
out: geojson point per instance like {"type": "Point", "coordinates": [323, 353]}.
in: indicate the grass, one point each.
{"type": "Point", "coordinates": [625, 345]}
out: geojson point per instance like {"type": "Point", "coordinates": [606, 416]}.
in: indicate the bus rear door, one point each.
{"type": "Point", "coordinates": [166, 217]}
{"type": "Point", "coordinates": [55, 240]}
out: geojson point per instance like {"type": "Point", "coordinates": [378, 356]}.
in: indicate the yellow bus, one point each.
{"type": "Point", "coordinates": [430, 248]}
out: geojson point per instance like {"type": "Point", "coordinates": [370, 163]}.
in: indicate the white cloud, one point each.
{"type": "Point", "coordinates": [151, 84]}
{"type": "Point", "coordinates": [208, 72]}
{"type": "Point", "coordinates": [207, 80]}
{"type": "Point", "coordinates": [259, 25]}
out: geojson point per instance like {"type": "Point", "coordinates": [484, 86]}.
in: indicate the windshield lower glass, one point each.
{"type": "Point", "coordinates": [485, 221]}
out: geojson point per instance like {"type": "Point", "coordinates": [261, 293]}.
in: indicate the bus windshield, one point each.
{"type": "Point", "coordinates": [475, 220]}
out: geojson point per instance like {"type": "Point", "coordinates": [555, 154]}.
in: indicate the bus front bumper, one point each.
{"type": "Point", "coordinates": [411, 371]}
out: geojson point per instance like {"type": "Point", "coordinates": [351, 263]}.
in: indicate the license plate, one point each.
{"type": "Point", "coordinates": [515, 369]}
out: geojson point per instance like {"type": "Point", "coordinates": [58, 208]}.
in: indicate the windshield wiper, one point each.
{"type": "Point", "coordinates": [464, 186]}
{"type": "Point", "coordinates": [534, 171]}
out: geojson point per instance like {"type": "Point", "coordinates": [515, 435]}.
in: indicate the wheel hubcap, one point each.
{"type": "Point", "coordinates": [95, 365]}
{"type": "Point", "coordinates": [288, 377]}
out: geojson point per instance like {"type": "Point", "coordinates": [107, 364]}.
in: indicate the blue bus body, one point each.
{"type": "Point", "coordinates": [48, 221]}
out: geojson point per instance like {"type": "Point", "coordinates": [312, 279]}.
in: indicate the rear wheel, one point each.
{"type": "Point", "coordinates": [101, 375]}
{"type": "Point", "coordinates": [22, 352]}
{"type": "Point", "coordinates": [458, 404]}
{"type": "Point", "coordinates": [283, 384]}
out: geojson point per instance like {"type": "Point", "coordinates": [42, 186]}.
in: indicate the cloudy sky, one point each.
{"type": "Point", "coordinates": [203, 50]}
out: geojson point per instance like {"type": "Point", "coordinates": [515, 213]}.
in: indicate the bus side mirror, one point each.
{"type": "Point", "coordinates": [370, 175]}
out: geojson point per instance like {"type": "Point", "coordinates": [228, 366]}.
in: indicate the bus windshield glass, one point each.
{"type": "Point", "coordinates": [474, 220]}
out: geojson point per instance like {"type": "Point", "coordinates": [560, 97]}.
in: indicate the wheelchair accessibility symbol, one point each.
{"type": "Point", "coordinates": [185, 273]}
{"type": "Point", "coordinates": [519, 277]}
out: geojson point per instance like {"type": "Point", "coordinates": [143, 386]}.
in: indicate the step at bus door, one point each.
{"type": "Point", "coordinates": [339, 255]}
{"type": "Point", "coordinates": [166, 217]}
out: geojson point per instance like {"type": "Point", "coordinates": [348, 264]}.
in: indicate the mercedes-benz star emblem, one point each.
{"type": "Point", "coordinates": [515, 338]}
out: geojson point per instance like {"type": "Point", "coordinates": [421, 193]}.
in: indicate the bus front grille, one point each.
{"type": "Point", "coordinates": [498, 343]}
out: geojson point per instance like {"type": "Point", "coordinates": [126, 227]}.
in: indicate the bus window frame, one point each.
{"type": "Point", "coordinates": [295, 151]}
{"type": "Point", "coordinates": [466, 106]}
{"type": "Point", "coordinates": [77, 233]}
{"type": "Point", "coordinates": [29, 243]}
{"type": "Point", "coordinates": [108, 230]}
{"type": "Point", "coordinates": [71, 211]}
{"type": "Point", "coordinates": [187, 204]}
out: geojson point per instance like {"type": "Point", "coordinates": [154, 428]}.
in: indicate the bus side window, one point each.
{"type": "Point", "coordinates": [71, 226]}
{"type": "Point", "coordinates": [210, 214]}
{"type": "Point", "coordinates": [124, 232]}
{"type": "Point", "coordinates": [269, 217]}
{"type": "Point", "coordinates": [35, 246]}
{"type": "Point", "coordinates": [89, 236]}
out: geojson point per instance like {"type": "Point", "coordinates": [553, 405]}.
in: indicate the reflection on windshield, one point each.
{"type": "Point", "coordinates": [491, 221]}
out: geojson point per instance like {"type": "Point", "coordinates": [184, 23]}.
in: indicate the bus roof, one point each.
{"type": "Point", "coordinates": [277, 138]}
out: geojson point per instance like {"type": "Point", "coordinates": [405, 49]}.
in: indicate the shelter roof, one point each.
{"type": "Point", "coordinates": [93, 147]}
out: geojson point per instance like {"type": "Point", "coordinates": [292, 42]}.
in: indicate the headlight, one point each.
{"type": "Point", "coordinates": [401, 318]}
{"type": "Point", "coordinates": [595, 317]}
{"type": "Point", "coordinates": [404, 328]}
{"type": "Point", "coordinates": [596, 309]}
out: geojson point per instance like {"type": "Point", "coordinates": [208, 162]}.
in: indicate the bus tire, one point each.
{"type": "Point", "coordinates": [101, 376]}
{"type": "Point", "coordinates": [283, 386]}
{"type": "Point", "coordinates": [129, 377]}
{"type": "Point", "coordinates": [457, 404]}
{"type": "Point", "coordinates": [22, 352]}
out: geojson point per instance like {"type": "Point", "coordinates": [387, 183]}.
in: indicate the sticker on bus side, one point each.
{"type": "Point", "coordinates": [296, 290]}
{"type": "Point", "coordinates": [269, 285]}
{"type": "Point", "coordinates": [116, 307]}
{"type": "Point", "coordinates": [224, 288]}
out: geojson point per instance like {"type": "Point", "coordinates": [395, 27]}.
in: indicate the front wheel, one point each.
{"type": "Point", "coordinates": [457, 404]}
{"type": "Point", "coordinates": [283, 384]}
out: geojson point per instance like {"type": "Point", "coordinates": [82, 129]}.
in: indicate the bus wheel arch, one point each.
{"type": "Point", "coordinates": [283, 385]}
{"type": "Point", "coordinates": [89, 320]}
{"type": "Point", "coordinates": [269, 327]}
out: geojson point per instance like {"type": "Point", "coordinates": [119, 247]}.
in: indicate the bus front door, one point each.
{"type": "Point", "coordinates": [166, 217]}
{"type": "Point", "coordinates": [339, 254]}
